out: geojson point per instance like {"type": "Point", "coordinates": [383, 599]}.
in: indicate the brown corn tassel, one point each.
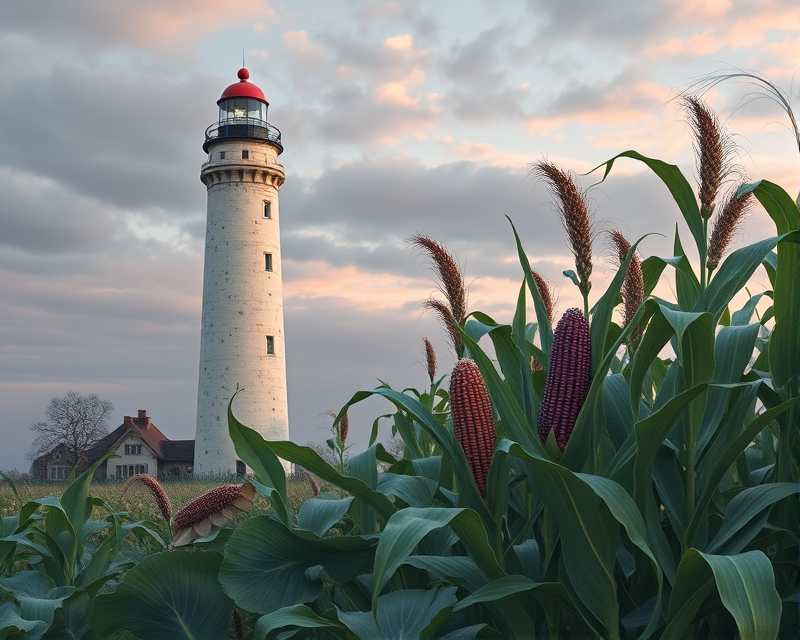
{"type": "Point", "coordinates": [725, 224]}
{"type": "Point", "coordinates": [451, 284]}
{"type": "Point", "coordinates": [156, 490]}
{"type": "Point", "coordinates": [430, 359]}
{"type": "Point", "coordinates": [473, 424]}
{"type": "Point", "coordinates": [713, 149]}
{"type": "Point", "coordinates": [312, 482]}
{"type": "Point", "coordinates": [237, 626]}
{"type": "Point", "coordinates": [448, 320]}
{"type": "Point", "coordinates": [211, 511]}
{"type": "Point", "coordinates": [632, 286]}
{"type": "Point", "coordinates": [344, 428]}
{"type": "Point", "coordinates": [568, 377]}
{"type": "Point", "coordinates": [574, 216]}
{"type": "Point", "coordinates": [546, 292]}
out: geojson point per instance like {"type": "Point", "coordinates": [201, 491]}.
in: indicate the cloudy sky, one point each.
{"type": "Point", "coordinates": [397, 117]}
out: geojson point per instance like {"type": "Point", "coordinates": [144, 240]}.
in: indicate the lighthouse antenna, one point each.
{"type": "Point", "coordinates": [243, 57]}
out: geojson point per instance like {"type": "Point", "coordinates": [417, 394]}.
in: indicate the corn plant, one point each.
{"type": "Point", "coordinates": [580, 485]}
{"type": "Point", "coordinates": [54, 559]}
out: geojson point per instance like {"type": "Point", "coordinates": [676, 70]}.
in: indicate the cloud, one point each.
{"type": "Point", "coordinates": [95, 24]}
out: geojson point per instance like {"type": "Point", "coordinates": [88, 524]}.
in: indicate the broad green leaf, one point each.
{"type": "Point", "coordinates": [171, 595]}
{"type": "Point", "coordinates": [717, 462]}
{"type": "Point", "coordinates": [415, 491]}
{"type": "Point", "coordinates": [678, 186]}
{"type": "Point", "coordinates": [319, 514]}
{"type": "Point", "coordinates": [14, 626]}
{"type": "Point", "coordinates": [298, 615]}
{"type": "Point", "coordinates": [310, 460]}
{"type": "Point", "coordinates": [254, 451]}
{"type": "Point", "coordinates": [745, 507]}
{"type": "Point", "coordinates": [75, 499]}
{"type": "Point", "coordinates": [733, 349]}
{"type": "Point", "coordinates": [32, 592]}
{"type": "Point", "coordinates": [268, 566]}
{"type": "Point", "coordinates": [586, 538]}
{"type": "Point", "coordinates": [784, 345]}
{"type": "Point", "coordinates": [458, 570]}
{"type": "Point", "coordinates": [733, 275]}
{"type": "Point", "coordinates": [411, 613]}
{"type": "Point", "coordinates": [746, 586]}
{"type": "Point", "coordinates": [616, 402]}
{"type": "Point", "coordinates": [364, 466]}
{"type": "Point", "coordinates": [509, 585]}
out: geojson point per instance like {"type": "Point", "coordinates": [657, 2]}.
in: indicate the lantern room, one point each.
{"type": "Point", "coordinates": [243, 99]}
{"type": "Point", "coordinates": [243, 115]}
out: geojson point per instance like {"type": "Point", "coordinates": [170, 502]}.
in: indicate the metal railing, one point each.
{"type": "Point", "coordinates": [242, 128]}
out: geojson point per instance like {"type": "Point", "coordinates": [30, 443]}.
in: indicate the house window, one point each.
{"type": "Point", "coordinates": [270, 346]}
{"type": "Point", "coordinates": [240, 468]}
{"type": "Point", "coordinates": [133, 449]}
{"type": "Point", "coordinates": [268, 261]}
{"type": "Point", "coordinates": [128, 470]}
{"type": "Point", "coordinates": [245, 154]}
{"type": "Point", "coordinates": [58, 473]}
{"type": "Point", "coordinates": [267, 209]}
{"type": "Point", "coordinates": [221, 155]}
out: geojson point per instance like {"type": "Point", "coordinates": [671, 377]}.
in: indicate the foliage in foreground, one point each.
{"type": "Point", "coordinates": [667, 509]}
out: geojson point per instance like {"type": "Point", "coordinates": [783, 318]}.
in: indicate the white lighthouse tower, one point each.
{"type": "Point", "coordinates": [242, 340]}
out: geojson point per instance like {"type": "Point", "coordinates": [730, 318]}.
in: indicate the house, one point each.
{"type": "Point", "coordinates": [141, 448]}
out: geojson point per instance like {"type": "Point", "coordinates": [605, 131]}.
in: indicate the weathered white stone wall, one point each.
{"type": "Point", "coordinates": [242, 303]}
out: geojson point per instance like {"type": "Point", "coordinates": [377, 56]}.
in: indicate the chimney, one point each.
{"type": "Point", "coordinates": [142, 413]}
{"type": "Point", "coordinates": [128, 420]}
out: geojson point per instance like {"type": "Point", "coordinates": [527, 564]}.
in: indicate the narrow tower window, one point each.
{"type": "Point", "coordinates": [268, 261]}
{"type": "Point", "coordinates": [267, 209]}
{"type": "Point", "coordinates": [245, 154]}
{"type": "Point", "coordinates": [221, 155]}
{"type": "Point", "coordinates": [270, 346]}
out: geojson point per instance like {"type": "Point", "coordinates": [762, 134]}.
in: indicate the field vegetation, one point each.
{"type": "Point", "coordinates": [624, 470]}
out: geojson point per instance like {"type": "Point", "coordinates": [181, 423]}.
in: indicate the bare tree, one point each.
{"type": "Point", "coordinates": [74, 421]}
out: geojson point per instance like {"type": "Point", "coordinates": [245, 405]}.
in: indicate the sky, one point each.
{"type": "Point", "coordinates": [397, 118]}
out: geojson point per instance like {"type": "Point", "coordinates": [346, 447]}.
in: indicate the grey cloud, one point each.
{"type": "Point", "coordinates": [38, 215]}
{"type": "Point", "coordinates": [106, 138]}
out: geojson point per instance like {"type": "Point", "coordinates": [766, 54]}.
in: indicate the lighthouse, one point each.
{"type": "Point", "coordinates": [242, 340]}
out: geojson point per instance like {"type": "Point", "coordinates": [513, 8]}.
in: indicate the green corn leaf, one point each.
{"type": "Point", "coordinates": [299, 616]}
{"type": "Point", "coordinates": [619, 419]}
{"type": "Point", "coordinates": [678, 186]}
{"type": "Point", "coordinates": [12, 625]}
{"type": "Point", "coordinates": [458, 570]}
{"type": "Point", "coordinates": [32, 592]}
{"type": "Point", "coordinates": [746, 586]}
{"type": "Point", "coordinates": [408, 527]}
{"type": "Point", "coordinates": [733, 275]}
{"type": "Point", "coordinates": [172, 595]}
{"type": "Point", "coordinates": [254, 451]}
{"type": "Point", "coordinates": [468, 493]}
{"type": "Point", "coordinates": [364, 466]}
{"type": "Point", "coordinates": [744, 508]}
{"type": "Point", "coordinates": [415, 491]}
{"type": "Point", "coordinates": [720, 459]}
{"type": "Point", "coordinates": [509, 585]}
{"type": "Point", "coordinates": [586, 538]}
{"type": "Point", "coordinates": [320, 514]}
{"type": "Point", "coordinates": [310, 460]}
{"type": "Point", "coordinates": [268, 566]}
{"type": "Point", "coordinates": [545, 328]}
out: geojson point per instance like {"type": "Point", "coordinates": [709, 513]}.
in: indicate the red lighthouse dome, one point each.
{"type": "Point", "coordinates": [243, 89]}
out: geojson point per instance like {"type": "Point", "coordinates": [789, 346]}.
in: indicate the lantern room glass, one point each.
{"type": "Point", "coordinates": [236, 108]}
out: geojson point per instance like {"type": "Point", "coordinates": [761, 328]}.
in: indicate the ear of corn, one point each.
{"type": "Point", "coordinates": [568, 377]}
{"type": "Point", "coordinates": [211, 511]}
{"type": "Point", "coordinates": [473, 423]}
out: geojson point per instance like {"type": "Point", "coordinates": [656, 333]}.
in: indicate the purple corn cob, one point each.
{"type": "Point", "coordinates": [568, 377]}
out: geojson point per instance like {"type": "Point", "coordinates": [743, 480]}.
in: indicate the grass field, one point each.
{"type": "Point", "coordinates": [137, 502]}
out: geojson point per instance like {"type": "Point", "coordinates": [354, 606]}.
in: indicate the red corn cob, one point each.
{"type": "Point", "coordinates": [211, 511]}
{"type": "Point", "coordinates": [568, 377]}
{"type": "Point", "coordinates": [473, 423]}
{"type": "Point", "coordinates": [344, 428]}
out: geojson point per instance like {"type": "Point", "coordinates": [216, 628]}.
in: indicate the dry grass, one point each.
{"type": "Point", "coordinates": [137, 502]}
